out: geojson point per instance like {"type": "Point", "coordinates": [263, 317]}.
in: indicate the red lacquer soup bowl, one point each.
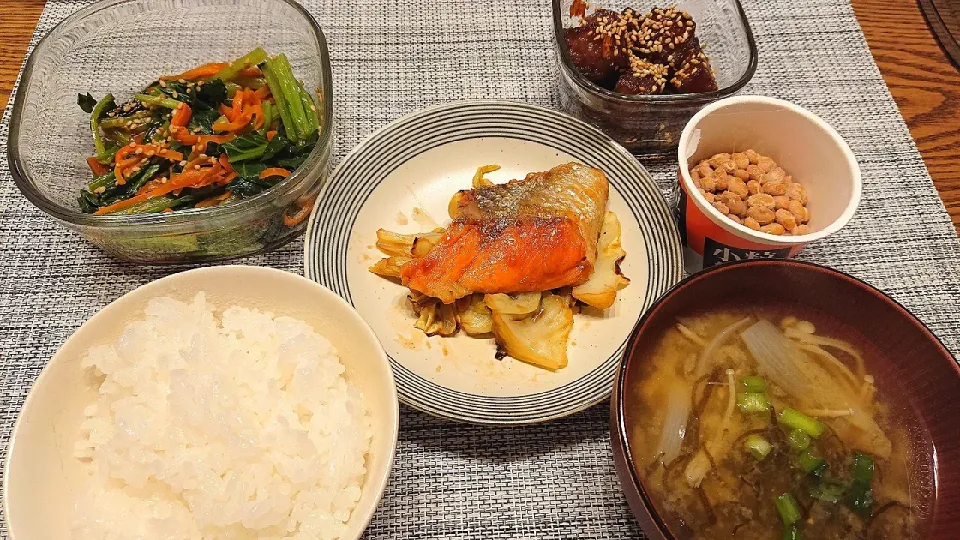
{"type": "Point", "coordinates": [914, 372]}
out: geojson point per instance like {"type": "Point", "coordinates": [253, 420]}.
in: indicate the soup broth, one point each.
{"type": "Point", "coordinates": [760, 424]}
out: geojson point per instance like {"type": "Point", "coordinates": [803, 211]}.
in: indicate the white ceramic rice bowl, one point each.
{"type": "Point", "coordinates": [42, 477]}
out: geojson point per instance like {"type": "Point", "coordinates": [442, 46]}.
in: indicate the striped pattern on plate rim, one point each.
{"type": "Point", "coordinates": [362, 170]}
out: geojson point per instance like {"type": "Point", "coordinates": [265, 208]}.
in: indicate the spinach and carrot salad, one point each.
{"type": "Point", "coordinates": [209, 136]}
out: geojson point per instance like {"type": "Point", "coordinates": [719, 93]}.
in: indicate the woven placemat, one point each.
{"type": "Point", "coordinates": [548, 481]}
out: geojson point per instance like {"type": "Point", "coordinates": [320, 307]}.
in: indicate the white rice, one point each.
{"type": "Point", "coordinates": [238, 426]}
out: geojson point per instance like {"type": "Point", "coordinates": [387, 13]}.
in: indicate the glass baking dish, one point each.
{"type": "Point", "coordinates": [119, 46]}
{"type": "Point", "coordinates": [649, 124]}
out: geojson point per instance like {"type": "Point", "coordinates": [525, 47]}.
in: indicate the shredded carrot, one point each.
{"type": "Point", "coordinates": [213, 201]}
{"type": "Point", "coordinates": [124, 152]}
{"type": "Point", "coordinates": [238, 101]}
{"type": "Point", "coordinates": [98, 169]}
{"type": "Point", "coordinates": [151, 185]}
{"type": "Point", "coordinates": [271, 134]}
{"type": "Point", "coordinates": [172, 155]}
{"type": "Point", "coordinates": [246, 105]}
{"type": "Point", "coordinates": [181, 116]}
{"type": "Point", "coordinates": [307, 201]}
{"type": "Point", "coordinates": [229, 177]}
{"type": "Point", "coordinates": [194, 162]}
{"type": "Point", "coordinates": [305, 206]}
{"type": "Point", "coordinates": [118, 174]}
{"type": "Point", "coordinates": [145, 150]}
{"type": "Point", "coordinates": [122, 162]}
{"type": "Point", "coordinates": [206, 70]}
{"type": "Point", "coordinates": [227, 112]}
{"type": "Point", "coordinates": [257, 111]}
{"type": "Point", "coordinates": [252, 71]}
{"type": "Point", "coordinates": [274, 171]}
{"type": "Point", "coordinates": [186, 137]}
{"type": "Point", "coordinates": [236, 125]}
{"type": "Point", "coordinates": [129, 162]}
{"type": "Point", "coordinates": [176, 182]}
{"type": "Point", "coordinates": [297, 217]}
{"type": "Point", "coordinates": [263, 92]}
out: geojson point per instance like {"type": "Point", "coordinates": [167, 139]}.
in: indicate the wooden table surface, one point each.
{"type": "Point", "coordinates": [921, 78]}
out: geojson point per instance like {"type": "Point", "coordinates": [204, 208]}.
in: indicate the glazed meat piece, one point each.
{"type": "Point", "coordinates": [534, 234]}
{"type": "Point", "coordinates": [587, 54]}
{"type": "Point", "coordinates": [690, 48]}
{"type": "Point", "coordinates": [694, 74]}
{"type": "Point", "coordinates": [643, 77]}
{"type": "Point", "coordinates": [663, 33]}
{"type": "Point", "coordinates": [606, 46]}
{"type": "Point", "coordinates": [594, 47]}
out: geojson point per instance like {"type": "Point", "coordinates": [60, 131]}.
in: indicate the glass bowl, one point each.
{"type": "Point", "coordinates": [120, 46]}
{"type": "Point", "coordinates": [649, 124]}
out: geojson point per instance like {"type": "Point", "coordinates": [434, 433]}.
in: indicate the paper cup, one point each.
{"type": "Point", "coordinates": [804, 145]}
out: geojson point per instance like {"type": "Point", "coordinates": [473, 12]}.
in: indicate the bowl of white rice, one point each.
{"type": "Point", "coordinates": [227, 403]}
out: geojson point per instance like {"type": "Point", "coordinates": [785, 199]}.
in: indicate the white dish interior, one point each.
{"type": "Point", "coordinates": [414, 198]}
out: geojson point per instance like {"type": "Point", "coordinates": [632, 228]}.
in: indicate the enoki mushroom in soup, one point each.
{"type": "Point", "coordinates": [756, 425]}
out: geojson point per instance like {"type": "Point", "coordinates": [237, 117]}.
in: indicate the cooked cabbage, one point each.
{"type": "Point", "coordinates": [539, 338]}
{"type": "Point", "coordinates": [390, 267]}
{"type": "Point", "coordinates": [434, 316]}
{"type": "Point", "coordinates": [474, 315]}
{"type": "Point", "coordinates": [513, 304]}
{"type": "Point", "coordinates": [600, 290]}
{"type": "Point", "coordinates": [479, 181]}
{"type": "Point", "coordinates": [407, 245]}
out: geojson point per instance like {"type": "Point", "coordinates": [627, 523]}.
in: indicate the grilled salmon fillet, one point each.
{"type": "Point", "coordinates": [535, 234]}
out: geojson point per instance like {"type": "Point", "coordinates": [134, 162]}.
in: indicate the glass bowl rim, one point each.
{"type": "Point", "coordinates": [566, 64]}
{"type": "Point", "coordinates": [23, 179]}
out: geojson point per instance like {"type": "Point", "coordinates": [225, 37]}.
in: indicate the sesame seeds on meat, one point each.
{"type": "Point", "coordinates": [641, 53]}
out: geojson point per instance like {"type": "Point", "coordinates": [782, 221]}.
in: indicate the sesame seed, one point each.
{"type": "Point", "coordinates": [163, 84]}
{"type": "Point", "coordinates": [183, 163]}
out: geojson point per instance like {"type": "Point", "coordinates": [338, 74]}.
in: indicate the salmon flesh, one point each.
{"type": "Point", "coordinates": [535, 234]}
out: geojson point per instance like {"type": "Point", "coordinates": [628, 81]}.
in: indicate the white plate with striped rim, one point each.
{"type": "Point", "coordinates": [402, 177]}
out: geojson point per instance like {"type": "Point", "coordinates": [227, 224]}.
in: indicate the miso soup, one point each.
{"type": "Point", "coordinates": [758, 424]}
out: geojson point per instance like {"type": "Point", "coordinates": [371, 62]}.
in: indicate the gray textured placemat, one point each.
{"type": "Point", "coordinates": [389, 58]}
